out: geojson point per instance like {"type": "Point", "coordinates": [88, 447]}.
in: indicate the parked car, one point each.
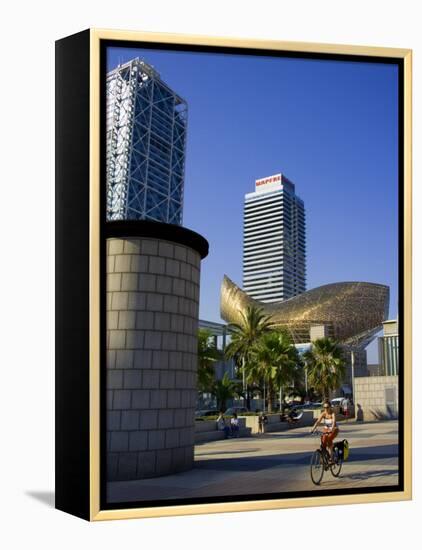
{"type": "Point", "coordinates": [237, 410]}
{"type": "Point", "coordinates": [315, 406]}
{"type": "Point", "coordinates": [206, 412]}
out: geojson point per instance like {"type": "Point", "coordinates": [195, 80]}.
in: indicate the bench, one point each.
{"type": "Point", "coordinates": [206, 431]}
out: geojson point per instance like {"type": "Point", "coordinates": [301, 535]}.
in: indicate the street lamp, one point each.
{"type": "Point", "coordinates": [352, 358]}
{"type": "Point", "coordinates": [306, 382]}
{"type": "Point", "coordinates": [263, 405]}
{"type": "Point", "coordinates": [244, 381]}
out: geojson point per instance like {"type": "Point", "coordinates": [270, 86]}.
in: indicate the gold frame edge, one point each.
{"type": "Point", "coordinates": [96, 514]}
{"type": "Point", "coordinates": [407, 274]}
{"type": "Point", "coordinates": [94, 276]}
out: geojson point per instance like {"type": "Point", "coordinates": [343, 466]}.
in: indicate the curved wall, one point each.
{"type": "Point", "coordinates": [152, 322]}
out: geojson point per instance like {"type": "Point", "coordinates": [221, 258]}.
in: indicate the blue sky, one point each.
{"type": "Point", "coordinates": [331, 127]}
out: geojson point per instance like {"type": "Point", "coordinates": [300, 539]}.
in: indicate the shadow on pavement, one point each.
{"type": "Point", "coordinates": [369, 475]}
{"type": "Point", "coordinates": [284, 435]}
{"type": "Point", "coordinates": [255, 463]}
{"type": "Point", "coordinates": [241, 451]}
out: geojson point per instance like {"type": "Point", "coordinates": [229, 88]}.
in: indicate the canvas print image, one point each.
{"type": "Point", "coordinates": [252, 298]}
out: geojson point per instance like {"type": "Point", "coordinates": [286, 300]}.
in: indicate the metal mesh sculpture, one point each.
{"type": "Point", "coordinates": [352, 312]}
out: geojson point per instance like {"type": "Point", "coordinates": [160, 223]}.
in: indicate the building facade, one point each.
{"type": "Point", "coordinates": [274, 241]}
{"type": "Point", "coordinates": [146, 125]}
{"type": "Point", "coordinates": [220, 334]}
{"type": "Point", "coordinates": [388, 348]}
{"type": "Point", "coordinates": [374, 369]}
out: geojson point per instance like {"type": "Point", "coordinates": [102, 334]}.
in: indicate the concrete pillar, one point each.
{"type": "Point", "coordinates": [317, 331]}
{"type": "Point", "coordinates": [152, 323]}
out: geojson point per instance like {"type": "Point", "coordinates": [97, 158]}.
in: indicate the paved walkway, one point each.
{"type": "Point", "coordinates": [273, 463]}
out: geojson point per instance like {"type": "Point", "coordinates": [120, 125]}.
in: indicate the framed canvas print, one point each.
{"type": "Point", "coordinates": [233, 274]}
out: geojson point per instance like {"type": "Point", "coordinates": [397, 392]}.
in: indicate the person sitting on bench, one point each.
{"type": "Point", "coordinates": [234, 425]}
{"type": "Point", "coordinates": [221, 425]}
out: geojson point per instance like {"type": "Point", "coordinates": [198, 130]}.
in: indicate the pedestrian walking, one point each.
{"type": "Point", "coordinates": [262, 420]}
{"type": "Point", "coordinates": [346, 408]}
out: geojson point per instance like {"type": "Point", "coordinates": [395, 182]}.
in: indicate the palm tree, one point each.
{"type": "Point", "coordinates": [297, 388]}
{"type": "Point", "coordinates": [244, 336]}
{"type": "Point", "coordinates": [325, 366]}
{"type": "Point", "coordinates": [277, 358]}
{"type": "Point", "coordinates": [223, 390]}
{"type": "Point", "coordinates": [208, 354]}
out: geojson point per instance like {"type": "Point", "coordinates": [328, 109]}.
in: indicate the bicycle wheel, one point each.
{"type": "Point", "coordinates": [317, 467]}
{"type": "Point", "coordinates": [336, 467]}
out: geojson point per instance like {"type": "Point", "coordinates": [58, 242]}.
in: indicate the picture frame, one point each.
{"type": "Point", "coordinates": [82, 324]}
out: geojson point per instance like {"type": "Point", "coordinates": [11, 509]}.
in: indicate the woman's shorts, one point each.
{"type": "Point", "coordinates": [329, 437]}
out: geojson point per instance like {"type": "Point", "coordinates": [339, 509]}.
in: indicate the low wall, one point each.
{"type": "Point", "coordinates": [205, 426]}
{"type": "Point", "coordinates": [376, 397]}
{"type": "Point", "coordinates": [207, 430]}
{"type": "Point", "coordinates": [274, 424]}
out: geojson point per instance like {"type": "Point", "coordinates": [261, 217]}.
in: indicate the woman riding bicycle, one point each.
{"type": "Point", "coordinates": [328, 418]}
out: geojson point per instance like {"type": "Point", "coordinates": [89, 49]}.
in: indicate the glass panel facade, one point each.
{"type": "Point", "coordinates": [391, 355]}
{"type": "Point", "coordinates": [388, 347]}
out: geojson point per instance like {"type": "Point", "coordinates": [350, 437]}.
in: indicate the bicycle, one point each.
{"type": "Point", "coordinates": [320, 462]}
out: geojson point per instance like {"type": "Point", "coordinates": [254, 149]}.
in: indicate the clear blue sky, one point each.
{"type": "Point", "coordinates": [331, 127]}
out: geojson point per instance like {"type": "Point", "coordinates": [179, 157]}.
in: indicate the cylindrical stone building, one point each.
{"type": "Point", "coordinates": [152, 287]}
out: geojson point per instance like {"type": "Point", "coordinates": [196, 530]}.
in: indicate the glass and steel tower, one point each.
{"type": "Point", "coordinates": [146, 141]}
{"type": "Point", "coordinates": [274, 243]}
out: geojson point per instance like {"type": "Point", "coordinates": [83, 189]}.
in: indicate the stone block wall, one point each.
{"type": "Point", "coordinates": [152, 324]}
{"type": "Point", "coordinates": [376, 397]}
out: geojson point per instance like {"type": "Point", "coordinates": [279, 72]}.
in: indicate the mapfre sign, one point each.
{"type": "Point", "coordinates": [264, 184]}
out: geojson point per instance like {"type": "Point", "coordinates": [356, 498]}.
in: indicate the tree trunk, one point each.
{"type": "Point", "coordinates": [270, 397]}
{"type": "Point", "coordinates": [248, 398]}
{"type": "Point", "coordinates": [243, 374]}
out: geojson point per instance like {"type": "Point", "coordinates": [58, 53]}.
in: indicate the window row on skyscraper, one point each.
{"type": "Point", "coordinates": [274, 242]}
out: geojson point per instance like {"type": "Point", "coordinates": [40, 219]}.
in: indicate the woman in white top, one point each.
{"type": "Point", "coordinates": [234, 425]}
{"type": "Point", "coordinates": [328, 418]}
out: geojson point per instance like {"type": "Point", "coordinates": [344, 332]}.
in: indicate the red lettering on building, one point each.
{"type": "Point", "coordinates": [264, 181]}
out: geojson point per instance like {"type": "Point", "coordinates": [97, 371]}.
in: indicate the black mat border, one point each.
{"type": "Point", "coordinates": [104, 44]}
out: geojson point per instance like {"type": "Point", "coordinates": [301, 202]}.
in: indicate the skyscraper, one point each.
{"type": "Point", "coordinates": [274, 243]}
{"type": "Point", "coordinates": [146, 138]}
